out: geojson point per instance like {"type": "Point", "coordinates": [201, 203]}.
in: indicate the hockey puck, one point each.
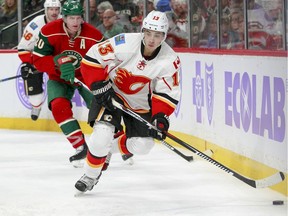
{"type": "Point", "coordinates": [278, 202]}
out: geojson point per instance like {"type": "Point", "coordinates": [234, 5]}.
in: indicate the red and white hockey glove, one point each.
{"type": "Point", "coordinates": [162, 123]}
{"type": "Point", "coordinates": [66, 67]}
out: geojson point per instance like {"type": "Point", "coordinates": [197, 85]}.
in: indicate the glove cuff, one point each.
{"type": "Point", "coordinates": [162, 119]}
{"type": "Point", "coordinates": [161, 115]}
{"type": "Point", "coordinates": [62, 59]}
{"type": "Point", "coordinates": [99, 88]}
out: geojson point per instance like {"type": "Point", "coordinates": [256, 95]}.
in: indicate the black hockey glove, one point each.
{"type": "Point", "coordinates": [161, 121]}
{"type": "Point", "coordinates": [27, 70]}
{"type": "Point", "coordinates": [103, 93]}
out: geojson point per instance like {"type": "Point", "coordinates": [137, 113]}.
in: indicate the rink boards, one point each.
{"type": "Point", "coordinates": [234, 104]}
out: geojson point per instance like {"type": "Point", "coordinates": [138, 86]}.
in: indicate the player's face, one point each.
{"type": "Point", "coordinates": [73, 23]}
{"type": "Point", "coordinates": [152, 39]}
{"type": "Point", "coordinates": [52, 13]}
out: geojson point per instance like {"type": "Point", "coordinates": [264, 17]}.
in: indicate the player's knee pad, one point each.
{"type": "Point", "coordinates": [114, 146]}
{"type": "Point", "coordinates": [140, 145]}
{"type": "Point", "coordinates": [34, 84]}
{"type": "Point", "coordinates": [101, 138]}
{"type": "Point", "coordinates": [61, 109]}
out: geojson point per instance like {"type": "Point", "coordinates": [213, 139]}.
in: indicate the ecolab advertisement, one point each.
{"type": "Point", "coordinates": [237, 102]}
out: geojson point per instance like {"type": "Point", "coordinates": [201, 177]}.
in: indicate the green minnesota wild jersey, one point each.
{"type": "Point", "coordinates": [54, 40]}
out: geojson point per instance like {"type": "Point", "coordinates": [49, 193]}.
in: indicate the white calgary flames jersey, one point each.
{"type": "Point", "coordinates": [31, 32]}
{"type": "Point", "coordinates": [135, 78]}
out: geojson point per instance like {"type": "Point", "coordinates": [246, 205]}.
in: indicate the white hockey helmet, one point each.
{"type": "Point", "coordinates": [51, 3]}
{"type": "Point", "coordinates": [156, 21]}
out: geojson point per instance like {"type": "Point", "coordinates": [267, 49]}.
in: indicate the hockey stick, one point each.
{"type": "Point", "coordinates": [186, 157]}
{"type": "Point", "coordinates": [17, 76]}
{"type": "Point", "coordinates": [261, 183]}
{"type": "Point", "coordinates": [10, 78]}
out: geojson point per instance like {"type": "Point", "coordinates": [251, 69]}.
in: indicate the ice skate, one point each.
{"type": "Point", "coordinates": [77, 159]}
{"type": "Point", "coordinates": [86, 183]}
{"type": "Point", "coordinates": [35, 112]}
{"type": "Point", "coordinates": [128, 158]}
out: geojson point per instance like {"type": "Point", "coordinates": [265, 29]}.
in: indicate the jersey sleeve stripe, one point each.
{"type": "Point", "coordinates": [24, 52]}
{"type": "Point", "coordinates": [88, 58]}
{"type": "Point", "coordinates": [37, 54]}
{"type": "Point", "coordinates": [166, 99]}
{"type": "Point", "coordinates": [91, 63]}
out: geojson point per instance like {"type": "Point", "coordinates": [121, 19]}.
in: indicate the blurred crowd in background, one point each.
{"type": "Point", "coordinates": [220, 24]}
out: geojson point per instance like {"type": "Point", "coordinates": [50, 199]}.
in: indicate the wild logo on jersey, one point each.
{"type": "Point", "coordinates": [128, 82]}
{"type": "Point", "coordinates": [75, 56]}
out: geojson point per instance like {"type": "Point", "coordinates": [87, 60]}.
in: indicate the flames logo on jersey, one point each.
{"type": "Point", "coordinates": [129, 83]}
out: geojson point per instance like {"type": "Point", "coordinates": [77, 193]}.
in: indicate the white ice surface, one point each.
{"type": "Point", "coordinates": [36, 179]}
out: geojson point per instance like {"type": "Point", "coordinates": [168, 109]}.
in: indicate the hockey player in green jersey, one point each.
{"type": "Point", "coordinates": [58, 52]}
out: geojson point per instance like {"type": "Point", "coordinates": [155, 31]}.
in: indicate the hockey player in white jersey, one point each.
{"type": "Point", "coordinates": [33, 81]}
{"type": "Point", "coordinates": [140, 71]}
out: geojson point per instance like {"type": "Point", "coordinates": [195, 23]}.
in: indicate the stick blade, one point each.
{"type": "Point", "coordinates": [262, 183]}
{"type": "Point", "coordinates": [270, 180]}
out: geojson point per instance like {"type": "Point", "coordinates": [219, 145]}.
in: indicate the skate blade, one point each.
{"type": "Point", "coordinates": [78, 193]}
{"type": "Point", "coordinates": [78, 163]}
{"type": "Point", "coordinates": [129, 161]}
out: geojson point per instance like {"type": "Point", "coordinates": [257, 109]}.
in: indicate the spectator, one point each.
{"type": "Point", "coordinates": [241, 32]}
{"type": "Point", "coordinates": [140, 4]}
{"type": "Point", "coordinates": [274, 27]}
{"type": "Point", "coordinates": [180, 9]}
{"type": "Point", "coordinates": [110, 27]}
{"type": "Point", "coordinates": [265, 25]}
{"type": "Point", "coordinates": [162, 5]}
{"type": "Point", "coordinates": [8, 15]}
{"type": "Point", "coordinates": [8, 12]}
{"type": "Point", "coordinates": [176, 37]}
{"type": "Point", "coordinates": [198, 22]}
{"type": "Point", "coordinates": [127, 13]}
{"type": "Point", "coordinates": [212, 32]}
{"type": "Point", "coordinates": [212, 8]}
{"type": "Point", "coordinates": [234, 29]}
{"type": "Point", "coordinates": [93, 17]}
{"type": "Point", "coordinates": [137, 20]}
{"type": "Point", "coordinates": [31, 6]}
{"type": "Point", "coordinates": [224, 32]}
{"type": "Point", "coordinates": [150, 6]}
{"type": "Point", "coordinates": [100, 10]}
